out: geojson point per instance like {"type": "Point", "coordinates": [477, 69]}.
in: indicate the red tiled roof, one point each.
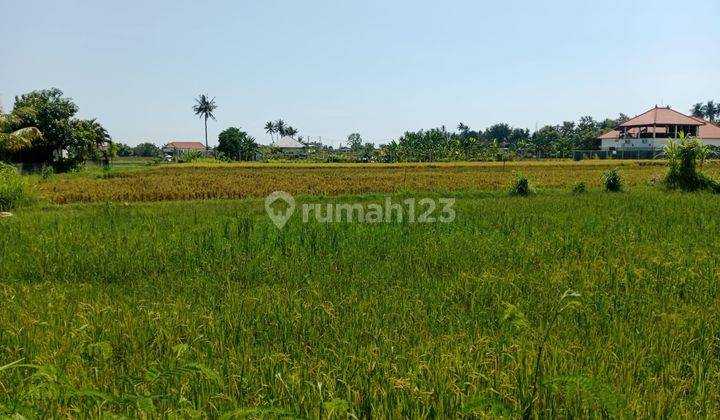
{"type": "Point", "coordinates": [614, 134]}
{"type": "Point", "coordinates": [660, 116]}
{"type": "Point", "coordinates": [709, 130]}
{"type": "Point", "coordinates": [185, 145]}
{"type": "Point", "coordinates": [706, 130]}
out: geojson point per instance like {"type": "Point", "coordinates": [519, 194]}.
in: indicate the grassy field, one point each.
{"type": "Point", "coordinates": [233, 181]}
{"type": "Point", "coordinates": [204, 308]}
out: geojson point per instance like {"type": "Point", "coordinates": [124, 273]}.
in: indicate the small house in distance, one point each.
{"type": "Point", "coordinates": [651, 130]}
{"type": "Point", "coordinates": [289, 146]}
{"type": "Point", "coordinates": [177, 148]}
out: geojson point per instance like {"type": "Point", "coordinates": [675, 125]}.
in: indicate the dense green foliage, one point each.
{"type": "Point", "coordinates": [580, 187]}
{"type": "Point", "coordinates": [14, 139]}
{"type": "Point", "coordinates": [237, 145]}
{"type": "Point", "coordinates": [613, 180]}
{"type": "Point", "coordinates": [12, 187]}
{"type": "Point", "coordinates": [497, 142]}
{"type": "Point", "coordinates": [193, 308]}
{"type": "Point", "coordinates": [521, 185]}
{"type": "Point", "coordinates": [145, 149]}
{"type": "Point", "coordinates": [683, 157]}
{"type": "Point", "coordinates": [281, 129]}
{"type": "Point", "coordinates": [709, 110]}
{"type": "Point", "coordinates": [53, 115]}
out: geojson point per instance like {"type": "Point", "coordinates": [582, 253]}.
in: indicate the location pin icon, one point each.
{"type": "Point", "coordinates": [279, 217]}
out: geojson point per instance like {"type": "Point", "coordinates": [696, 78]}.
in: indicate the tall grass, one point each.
{"type": "Point", "coordinates": [205, 308]}
{"type": "Point", "coordinates": [13, 187]}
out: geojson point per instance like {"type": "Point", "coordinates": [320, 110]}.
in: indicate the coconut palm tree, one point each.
{"type": "Point", "coordinates": [711, 110]}
{"type": "Point", "coordinates": [203, 108]}
{"type": "Point", "coordinates": [280, 127]}
{"type": "Point", "coordinates": [270, 129]}
{"type": "Point", "coordinates": [698, 110]}
{"type": "Point", "coordinates": [12, 141]}
{"type": "Point", "coordinates": [291, 131]}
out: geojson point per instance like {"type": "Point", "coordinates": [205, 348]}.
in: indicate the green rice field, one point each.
{"type": "Point", "coordinates": [565, 305]}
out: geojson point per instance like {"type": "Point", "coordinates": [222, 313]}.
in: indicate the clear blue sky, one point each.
{"type": "Point", "coordinates": [334, 67]}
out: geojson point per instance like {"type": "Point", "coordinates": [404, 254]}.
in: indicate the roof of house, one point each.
{"type": "Point", "coordinates": [288, 143]}
{"type": "Point", "coordinates": [706, 130]}
{"type": "Point", "coordinates": [185, 145]}
{"type": "Point", "coordinates": [661, 116]}
{"type": "Point", "coordinates": [709, 130]}
{"type": "Point", "coordinates": [613, 134]}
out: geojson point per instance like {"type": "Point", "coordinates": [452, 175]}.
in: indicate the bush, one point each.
{"type": "Point", "coordinates": [189, 157]}
{"type": "Point", "coordinates": [12, 187]}
{"type": "Point", "coordinates": [613, 180]}
{"type": "Point", "coordinates": [521, 186]}
{"type": "Point", "coordinates": [46, 173]}
{"type": "Point", "coordinates": [683, 158]}
{"type": "Point", "coordinates": [579, 188]}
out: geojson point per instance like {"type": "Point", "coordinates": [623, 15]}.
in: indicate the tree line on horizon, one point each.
{"type": "Point", "coordinates": [42, 128]}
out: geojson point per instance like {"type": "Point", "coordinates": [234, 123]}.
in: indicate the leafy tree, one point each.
{"type": "Point", "coordinates": [367, 152]}
{"type": "Point", "coordinates": [517, 135]}
{"type": "Point", "coordinates": [355, 142]}
{"type": "Point", "coordinates": [146, 150]}
{"type": "Point", "coordinates": [237, 144]}
{"type": "Point", "coordinates": [123, 150]}
{"type": "Point", "coordinates": [500, 132]}
{"type": "Point", "coordinates": [204, 108]}
{"type": "Point", "coordinates": [544, 139]}
{"type": "Point", "coordinates": [52, 114]}
{"type": "Point", "coordinates": [90, 141]}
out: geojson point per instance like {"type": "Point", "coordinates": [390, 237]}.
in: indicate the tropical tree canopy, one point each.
{"type": "Point", "coordinates": [13, 140]}
{"type": "Point", "coordinates": [709, 110]}
{"type": "Point", "coordinates": [42, 128]}
{"type": "Point", "coordinates": [236, 144]}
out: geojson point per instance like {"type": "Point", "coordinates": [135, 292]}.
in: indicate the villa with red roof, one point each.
{"type": "Point", "coordinates": [652, 129]}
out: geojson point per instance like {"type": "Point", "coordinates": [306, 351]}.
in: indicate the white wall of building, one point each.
{"type": "Point", "coordinates": [607, 144]}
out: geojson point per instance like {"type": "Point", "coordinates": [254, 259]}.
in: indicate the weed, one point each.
{"type": "Point", "coordinates": [613, 181]}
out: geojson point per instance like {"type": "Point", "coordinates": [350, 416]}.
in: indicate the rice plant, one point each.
{"type": "Point", "coordinates": [579, 188]}
{"type": "Point", "coordinates": [206, 309]}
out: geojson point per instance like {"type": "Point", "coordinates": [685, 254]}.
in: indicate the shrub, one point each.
{"type": "Point", "coordinates": [579, 188]}
{"type": "Point", "coordinates": [12, 187]}
{"type": "Point", "coordinates": [613, 180]}
{"type": "Point", "coordinates": [521, 186]}
{"type": "Point", "coordinates": [683, 157]}
{"type": "Point", "coordinates": [189, 157]}
{"type": "Point", "coordinates": [46, 173]}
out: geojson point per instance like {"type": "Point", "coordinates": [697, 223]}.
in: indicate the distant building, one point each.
{"type": "Point", "coordinates": [175, 148]}
{"type": "Point", "coordinates": [651, 130]}
{"type": "Point", "coordinates": [290, 146]}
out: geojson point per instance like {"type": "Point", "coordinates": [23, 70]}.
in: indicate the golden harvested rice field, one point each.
{"type": "Point", "coordinates": [233, 181]}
